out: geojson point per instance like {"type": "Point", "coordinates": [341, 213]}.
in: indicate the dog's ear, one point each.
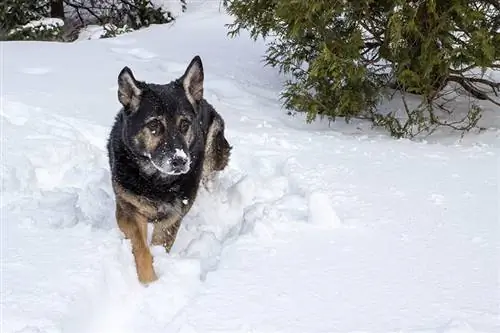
{"type": "Point", "coordinates": [129, 92]}
{"type": "Point", "coordinates": [192, 80]}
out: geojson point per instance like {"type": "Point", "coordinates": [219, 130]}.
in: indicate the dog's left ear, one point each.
{"type": "Point", "coordinates": [192, 80]}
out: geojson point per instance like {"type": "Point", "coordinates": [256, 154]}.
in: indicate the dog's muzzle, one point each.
{"type": "Point", "coordinates": [179, 164]}
{"type": "Point", "coordinates": [175, 165]}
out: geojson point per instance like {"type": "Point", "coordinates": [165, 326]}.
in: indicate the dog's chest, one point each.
{"type": "Point", "coordinates": [164, 209]}
{"type": "Point", "coordinates": [170, 210]}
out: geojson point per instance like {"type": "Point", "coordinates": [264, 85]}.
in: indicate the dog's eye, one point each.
{"type": "Point", "coordinates": [184, 125]}
{"type": "Point", "coordinates": [155, 126]}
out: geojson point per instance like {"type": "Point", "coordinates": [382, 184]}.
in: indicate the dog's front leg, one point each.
{"type": "Point", "coordinates": [165, 232]}
{"type": "Point", "coordinates": [134, 226]}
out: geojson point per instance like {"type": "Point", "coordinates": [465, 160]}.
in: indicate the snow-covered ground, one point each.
{"type": "Point", "coordinates": [309, 229]}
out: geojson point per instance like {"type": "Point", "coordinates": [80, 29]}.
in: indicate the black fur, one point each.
{"type": "Point", "coordinates": [127, 162]}
{"type": "Point", "coordinates": [127, 172]}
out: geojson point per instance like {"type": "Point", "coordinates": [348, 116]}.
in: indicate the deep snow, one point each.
{"type": "Point", "coordinates": [308, 230]}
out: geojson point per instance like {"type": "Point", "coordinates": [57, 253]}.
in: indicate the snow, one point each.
{"type": "Point", "coordinates": [46, 22]}
{"type": "Point", "coordinates": [180, 153]}
{"type": "Point", "coordinates": [310, 229]}
{"type": "Point", "coordinates": [172, 6]}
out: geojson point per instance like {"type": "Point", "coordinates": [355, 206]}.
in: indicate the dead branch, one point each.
{"type": "Point", "coordinates": [471, 89]}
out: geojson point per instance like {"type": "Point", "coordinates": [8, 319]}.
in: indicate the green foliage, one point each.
{"type": "Point", "coordinates": [115, 16]}
{"type": "Point", "coordinates": [343, 55]}
{"type": "Point", "coordinates": [14, 13]}
{"type": "Point", "coordinates": [131, 15]}
{"type": "Point", "coordinates": [29, 20]}
{"type": "Point", "coordinates": [143, 13]}
{"type": "Point", "coordinates": [47, 29]}
{"type": "Point", "coordinates": [113, 31]}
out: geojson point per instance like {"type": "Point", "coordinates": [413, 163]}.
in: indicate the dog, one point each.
{"type": "Point", "coordinates": [165, 141]}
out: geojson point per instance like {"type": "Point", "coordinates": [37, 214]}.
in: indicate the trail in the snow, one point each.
{"type": "Point", "coordinates": [272, 187]}
{"type": "Point", "coordinates": [67, 197]}
{"type": "Point", "coordinates": [235, 204]}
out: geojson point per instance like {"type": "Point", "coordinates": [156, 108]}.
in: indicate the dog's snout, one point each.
{"type": "Point", "coordinates": [179, 162]}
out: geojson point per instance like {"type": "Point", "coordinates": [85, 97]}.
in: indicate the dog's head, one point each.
{"type": "Point", "coordinates": [161, 121]}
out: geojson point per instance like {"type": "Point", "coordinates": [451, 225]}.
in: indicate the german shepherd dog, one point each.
{"type": "Point", "coordinates": [165, 141]}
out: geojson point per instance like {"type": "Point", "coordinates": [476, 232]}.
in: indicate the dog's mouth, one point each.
{"type": "Point", "coordinates": [175, 167]}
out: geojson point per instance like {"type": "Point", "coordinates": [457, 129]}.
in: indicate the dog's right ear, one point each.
{"type": "Point", "coordinates": [129, 93]}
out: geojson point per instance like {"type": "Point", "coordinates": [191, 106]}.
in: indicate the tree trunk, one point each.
{"type": "Point", "coordinates": [57, 9]}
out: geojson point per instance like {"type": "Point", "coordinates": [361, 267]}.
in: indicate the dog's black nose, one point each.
{"type": "Point", "coordinates": [179, 162]}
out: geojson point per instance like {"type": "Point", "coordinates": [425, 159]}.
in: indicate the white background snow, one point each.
{"type": "Point", "coordinates": [310, 229]}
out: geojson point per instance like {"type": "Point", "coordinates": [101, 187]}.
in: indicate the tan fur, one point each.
{"type": "Point", "coordinates": [134, 226]}
{"type": "Point", "coordinates": [165, 232]}
{"type": "Point", "coordinates": [208, 165]}
{"type": "Point", "coordinates": [141, 205]}
{"type": "Point", "coordinates": [193, 84]}
{"type": "Point", "coordinates": [216, 158]}
{"type": "Point", "coordinates": [128, 92]}
{"type": "Point", "coordinates": [133, 213]}
{"type": "Point", "coordinates": [148, 139]}
{"type": "Point", "coordinates": [190, 134]}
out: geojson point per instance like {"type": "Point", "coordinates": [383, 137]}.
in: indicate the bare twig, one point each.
{"type": "Point", "coordinates": [471, 89]}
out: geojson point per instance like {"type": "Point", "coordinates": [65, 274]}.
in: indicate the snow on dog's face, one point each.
{"type": "Point", "coordinates": [160, 122]}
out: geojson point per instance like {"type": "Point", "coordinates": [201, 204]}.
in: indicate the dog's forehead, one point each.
{"type": "Point", "coordinates": [170, 100]}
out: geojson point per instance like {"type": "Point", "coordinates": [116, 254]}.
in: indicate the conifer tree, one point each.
{"type": "Point", "coordinates": [343, 55]}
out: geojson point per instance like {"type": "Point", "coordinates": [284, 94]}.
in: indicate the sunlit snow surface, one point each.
{"type": "Point", "coordinates": [311, 228]}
